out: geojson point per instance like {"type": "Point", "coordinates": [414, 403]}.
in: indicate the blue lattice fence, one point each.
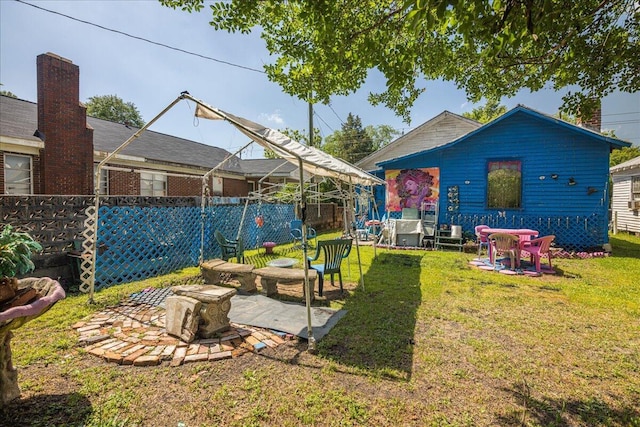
{"type": "Point", "coordinates": [573, 233]}
{"type": "Point", "coordinates": [227, 219]}
{"type": "Point", "coordinates": [137, 242]}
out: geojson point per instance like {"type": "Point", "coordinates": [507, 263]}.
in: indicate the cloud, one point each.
{"type": "Point", "coordinates": [275, 118]}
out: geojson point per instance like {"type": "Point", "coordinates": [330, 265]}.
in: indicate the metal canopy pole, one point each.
{"type": "Point", "coordinates": [94, 245]}
{"type": "Point", "coordinates": [307, 291]}
{"type": "Point", "coordinates": [356, 234]}
{"type": "Point", "coordinates": [205, 183]}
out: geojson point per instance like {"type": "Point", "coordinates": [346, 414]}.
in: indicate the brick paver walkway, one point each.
{"type": "Point", "coordinates": [133, 333]}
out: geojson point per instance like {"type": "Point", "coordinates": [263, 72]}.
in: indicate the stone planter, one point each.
{"type": "Point", "coordinates": [47, 292]}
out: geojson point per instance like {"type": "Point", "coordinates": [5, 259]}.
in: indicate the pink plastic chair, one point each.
{"type": "Point", "coordinates": [482, 238]}
{"type": "Point", "coordinates": [539, 248]}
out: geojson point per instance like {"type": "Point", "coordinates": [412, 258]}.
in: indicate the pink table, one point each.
{"type": "Point", "coordinates": [524, 234]}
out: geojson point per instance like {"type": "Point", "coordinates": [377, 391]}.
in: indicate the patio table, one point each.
{"type": "Point", "coordinates": [525, 235]}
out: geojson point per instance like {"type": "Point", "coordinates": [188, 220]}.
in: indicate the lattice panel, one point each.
{"type": "Point", "coordinates": [573, 233]}
{"type": "Point", "coordinates": [88, 238]}
{"type": "Point", "coordinates": [228, 220]}
{"type": "Point", "coordinates": [137, 242]}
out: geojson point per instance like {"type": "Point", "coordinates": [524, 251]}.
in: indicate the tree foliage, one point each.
{"type": "Point", "coordinates": [113, 108]}
{"type": "Point", "coordinates": [489, 48]}
{"type": "Point", "coordinates": [484, 114]}
{"type": "Point", "coordinates": [381, 135]}
{"type": "Point", "coordinates": [7, 93]}
{"type": "Point", "coordinates": [351, 143]}
{"type": "Point", "coordinates": [621, 155]}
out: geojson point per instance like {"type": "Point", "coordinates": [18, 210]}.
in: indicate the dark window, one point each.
{"type": "Point", "coordinates": [504, 184]}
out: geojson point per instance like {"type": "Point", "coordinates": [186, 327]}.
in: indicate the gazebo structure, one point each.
{"type": "Point", "coordinates": [309, 160]}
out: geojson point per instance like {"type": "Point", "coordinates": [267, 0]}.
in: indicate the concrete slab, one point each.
{"type": "Point", "coordinates": [263, 312]}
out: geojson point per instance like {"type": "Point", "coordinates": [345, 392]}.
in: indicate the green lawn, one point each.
{"type": "Point", "coordinates": [429, 341]}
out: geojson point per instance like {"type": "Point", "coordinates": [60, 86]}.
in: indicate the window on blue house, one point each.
{"type": "Point", "coordinates": [504, 184]}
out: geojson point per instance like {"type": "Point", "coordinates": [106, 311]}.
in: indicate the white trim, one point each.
{"type": "Point", "coordinates": [104, 154]}
{"type": "Point", "coordinates": [30, 172]}
{"type": "Point", "coordinates": [22, 146]}
{"type": "Point", "coordinates": [132, 166]}
{"type": "Point", "coordinates": [104, 178]}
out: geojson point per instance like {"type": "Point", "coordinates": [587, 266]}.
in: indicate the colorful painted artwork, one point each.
{"type": "Point", "coordinates": [412, 188]}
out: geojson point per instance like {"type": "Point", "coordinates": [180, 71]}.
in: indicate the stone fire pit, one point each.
{"type": "Point", "coordinates": [42, 293]}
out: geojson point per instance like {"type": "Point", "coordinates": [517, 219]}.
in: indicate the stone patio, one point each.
{"type": "Point", "coordinates": [134, 333]}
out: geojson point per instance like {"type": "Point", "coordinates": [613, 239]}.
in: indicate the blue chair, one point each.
{"type": "Point", "coordinates": [296, 232]}
{"type": "Point", "coordinates": [334, 252]}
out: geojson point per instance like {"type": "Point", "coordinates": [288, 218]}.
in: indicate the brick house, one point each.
{"type": "Point", "coordinates": [52, 148]}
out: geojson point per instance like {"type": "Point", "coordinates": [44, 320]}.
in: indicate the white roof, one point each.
{"type": "Point", "coordinates": [629, 164]}
{"type": "Point", "coordinates": [314, 161]}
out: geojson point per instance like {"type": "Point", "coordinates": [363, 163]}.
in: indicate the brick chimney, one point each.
{"type": "Point", "coordinates": [67, 158]}
{"type": "Point", "coordinates": [594, 122]}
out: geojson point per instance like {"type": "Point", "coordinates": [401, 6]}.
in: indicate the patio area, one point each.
{"type": "Point", "coordinates": [134, 331]}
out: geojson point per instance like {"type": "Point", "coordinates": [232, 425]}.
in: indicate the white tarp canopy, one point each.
{"type": "Point", "coordinates": [314, 161]}
{"type": "Point", "coordinates": [308, 159]}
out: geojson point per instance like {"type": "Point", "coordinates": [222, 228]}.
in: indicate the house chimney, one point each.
{"type": "Point", "coordinates": [594, 122]}
{"type": "Point", "coordinates": [67, 157]}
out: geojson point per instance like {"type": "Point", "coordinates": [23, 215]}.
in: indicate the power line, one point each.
{"type": "Point", "coordinates": [621, 122]}
{"type": "Point", "coordinates": [334, 112]}
{"type": "Point", "coordinates": [315, 113]}
{"type": "Point", "coordinates": [620, 114]}
{"type": "Point", "coordinates": [143, 39]}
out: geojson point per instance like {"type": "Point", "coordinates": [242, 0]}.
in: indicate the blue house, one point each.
{"type": "Point", "coordinates": [524, 169]}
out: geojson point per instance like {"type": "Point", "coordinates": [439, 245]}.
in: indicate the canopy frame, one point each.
{"type": "Point", "coordinates": [309, 159]}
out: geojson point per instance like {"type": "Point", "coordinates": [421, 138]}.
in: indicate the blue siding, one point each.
{"type": "Point", "coordinates": [577, 214]}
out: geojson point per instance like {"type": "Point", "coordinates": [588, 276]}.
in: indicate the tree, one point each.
{"type": "Point", "coordinates": [484, 114]}
{"type": "Point", "coordinates": [621, 155]}
{"type": "Point", "coordinates": [7, 93]}
{"type": "Point", "coordinates": [490, 48]}
{"type": "Point", "coordinates": [351, 143]}
{"type": "Point", "coordinates": [113, 108]}
{"type": "Point", "coordinates": [381, 135]}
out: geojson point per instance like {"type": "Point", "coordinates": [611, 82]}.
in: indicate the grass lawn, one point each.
{"type": "Point", "coordinates": [429, 341]}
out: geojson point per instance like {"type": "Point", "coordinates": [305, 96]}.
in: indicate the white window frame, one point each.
{"type": "Point", "coordinates": [217, 185]}
{"type": "Point", "coordinates": [158, 183]}
{"type": "Point", "coordinates": [635, 187]}
{"type": "Point", "coordinates": [104, 178]}
{"type": "Point", "coordinates": [7, 182]}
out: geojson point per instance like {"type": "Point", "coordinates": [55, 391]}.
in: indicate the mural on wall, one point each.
{"type": "Point", "coordinates": [411, 188]}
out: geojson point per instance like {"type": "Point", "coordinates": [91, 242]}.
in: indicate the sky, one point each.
{"type": "Point", "coordinates": [166, 52]}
